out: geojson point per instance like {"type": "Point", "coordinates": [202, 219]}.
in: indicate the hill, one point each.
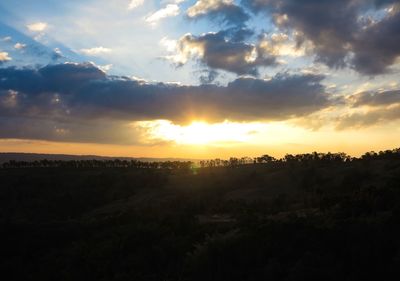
{"type": "Point", "coordinates": [303, 217]}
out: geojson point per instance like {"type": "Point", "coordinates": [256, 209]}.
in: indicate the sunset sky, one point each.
{"type": "Point", "coordinates": [199, 79]}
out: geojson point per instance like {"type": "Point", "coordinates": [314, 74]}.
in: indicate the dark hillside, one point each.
{"type": "Point", "coordinates": [304, 217]}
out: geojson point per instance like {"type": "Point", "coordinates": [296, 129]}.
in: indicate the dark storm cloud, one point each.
{"type": "Point", "coordinates": [377, 47]}
{"type": "Point", "coordinates": [220, 10]}
{"type": "Point", "coordinates": [340, 30]}
{"type": "Point", "coordinates": [222, 51]}
{"type": "Point", "coordinates": [80, 103]}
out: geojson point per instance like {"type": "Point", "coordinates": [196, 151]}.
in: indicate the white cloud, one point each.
{"type": "Point", "coordinates": [201, 7]}
{"type": "Point", "coordinates": [37, 26]}
{"type": "Point", "coordinates": [105, 68]}
{"type": "Point", "coordinates": [183, 49]}
{"type": "Point", "coordinates": [4, 57]}
{"type": "Point", "coordinates": [172, 1]}
{"type": "Point", "coordinates": [179, 52]}
{"type": "Point", "coordinates": [95, 51]}
{"type": "Point", "coordinates": [134, 4]}
{"type": "Point", "coordinates": [6, 39]}
{"type": "Point", "coordinates": [58, 51]}
{"type": "Point", "coordinates": [171, 10]}
{"type": "Point", "coordinates": [19, 46]}
{"type": "Point", "coordinates": [169, 44]}
{"type": "Point", "coordinates": [280, 44]}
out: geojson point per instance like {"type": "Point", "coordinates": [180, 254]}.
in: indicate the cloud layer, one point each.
{"type": "Point", "coordinates": [79, 102]}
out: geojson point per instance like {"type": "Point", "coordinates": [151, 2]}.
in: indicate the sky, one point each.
{"type": "Point", "coordinates": [199, 79]}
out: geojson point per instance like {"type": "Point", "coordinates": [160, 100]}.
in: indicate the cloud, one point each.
{"type": "Point", "coordinates": [4, 56]}
{"type": "Point", "coordinates": [370, 118]}
{"type": "Point", "coordinates": [96, 51]}
{"type": "Point", "coordinates": [133, 4]}
{"type": "Point", "coordinates": [105, 68]}
{"type": "Point", "coordinates": [375, 98]}
{"type": "Point", "coordinates": [19, 46]}
{"type": "Point", "coordinates": [371, 108]}
{"type": "Point", "coordinates": [378, 46]}
{"type": "Point", "coordinates": [37, 26]}
{"type": "Point", "coordinates": [280, 44]}
{"type": "Point", "coordinates": [9, 99]}
{"type": "Point", "coordinates": [172, 1]}
{"type": "Point", "coordinates": [57, 53]}
{"type": "Point", "coordinates": [208, 76]}
{"type": "Point", "coordinates": [76, 101]}
{"type": "Point", "coordinates": [169, 44]}
{"type": "Point", "coordinates": [221, 51]}
{"type": "Point", "coordinates": [171, 10]}
{"type": "Point", "coordinates": [87, 131]}
{"type": "Point", "coordinates": [225, 10]}
{"type": "Point", "coordinates": [363, 35]}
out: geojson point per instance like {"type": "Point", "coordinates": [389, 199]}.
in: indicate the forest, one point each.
{"type": "Point", "coordinates": [315, 216]}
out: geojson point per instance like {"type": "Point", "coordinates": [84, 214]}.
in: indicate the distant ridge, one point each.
{"type": "Point", "coordinates": [30, 157]}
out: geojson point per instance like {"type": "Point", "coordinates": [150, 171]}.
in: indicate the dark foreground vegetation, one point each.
{"type": "Point", "coordinates": [303, 217]}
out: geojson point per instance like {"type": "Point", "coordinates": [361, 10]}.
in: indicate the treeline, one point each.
{"type": "Point", "coordinates": [301, 158]}
{"type": "Point", "coordinates": [186, 165]}
{"type": "Point", "coordinates": [117, 163]}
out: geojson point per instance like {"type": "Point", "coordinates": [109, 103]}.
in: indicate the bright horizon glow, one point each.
{"type": "Point", "coordinates": [200, 132]}
{"type": "Point", "coordinates": [199, 140]}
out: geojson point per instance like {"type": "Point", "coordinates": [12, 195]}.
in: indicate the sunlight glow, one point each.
{"type": "Point", "coordinates": [201, 133]}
